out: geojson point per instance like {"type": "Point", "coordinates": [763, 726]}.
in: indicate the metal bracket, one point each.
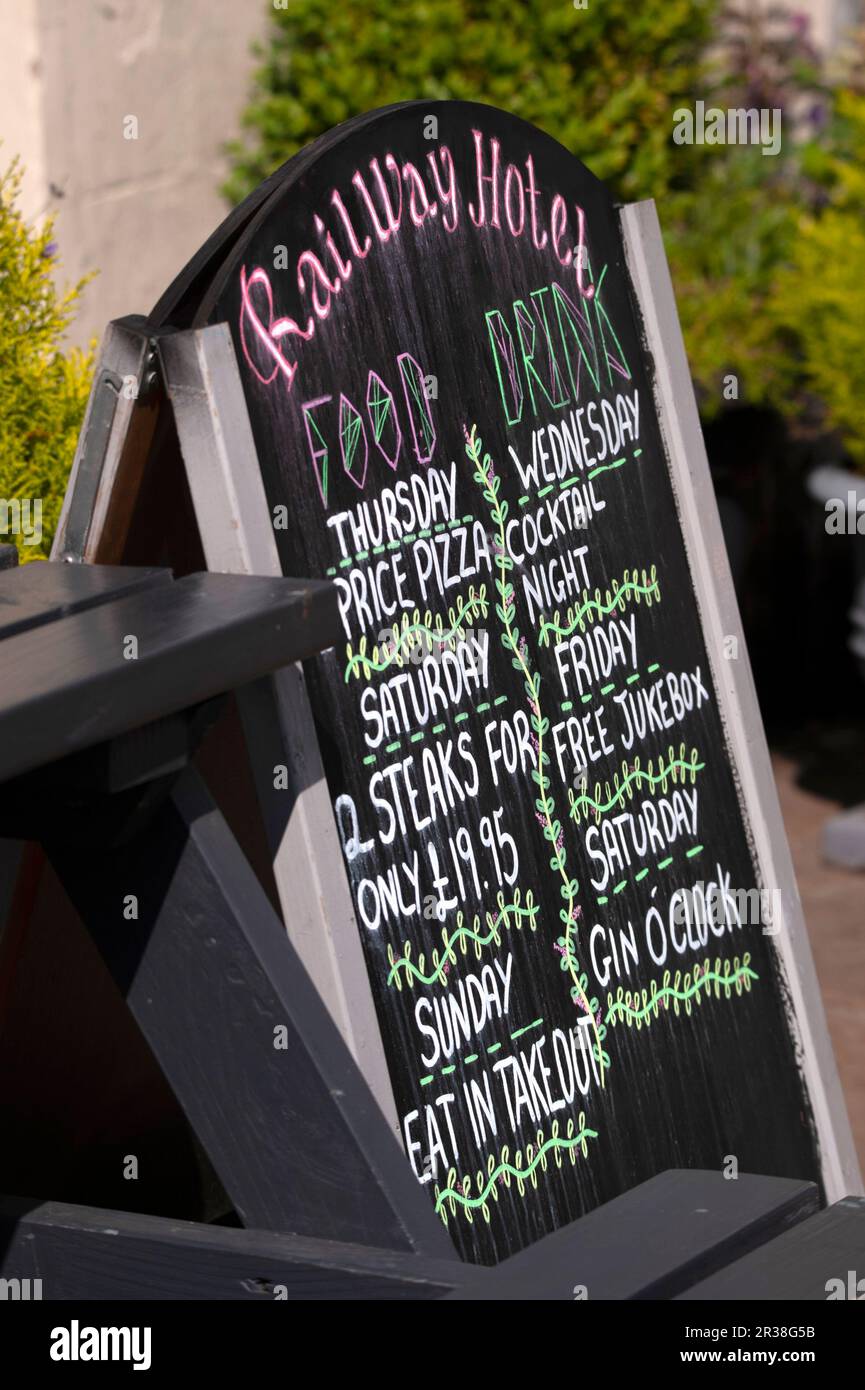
{"type": "Point", "coordinates": [128, 353]}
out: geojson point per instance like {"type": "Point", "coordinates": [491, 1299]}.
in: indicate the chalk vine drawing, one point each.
{"type": "Point", "coordinates": [417, 633]}
{"type": "Point", "coordinates": [633, 587]}
{"type": "Point", "coordinates": [509, 915]}
{"type": "Point", "coordinates": [639, 1008]}
{"type": "Point", "coordinates": [474, 1194]}
{"type": "Point", "coordinates": [513, 642]}
{"type": "Point", "coordinates": [633, 776]}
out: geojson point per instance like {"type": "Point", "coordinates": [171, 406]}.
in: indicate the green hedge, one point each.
{"type": "Point", "coordinates": [604, 80]}
{"type": "Point", "coordinates": [43, 390]}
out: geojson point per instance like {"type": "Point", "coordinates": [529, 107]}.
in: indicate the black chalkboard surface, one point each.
{"type": "Point", "coordinates": [549, 859]}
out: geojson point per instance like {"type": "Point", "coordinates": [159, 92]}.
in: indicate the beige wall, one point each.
{"type": "Point", "coordinates": [71, 71]}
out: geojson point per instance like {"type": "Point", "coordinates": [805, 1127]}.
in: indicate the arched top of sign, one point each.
{"type": "Point", "coordinates": [178, 305]}
{"type": "Point", "coordinates": [396, 199]}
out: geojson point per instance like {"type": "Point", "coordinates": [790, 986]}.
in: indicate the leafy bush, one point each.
{"type": "Point", "coordinates": [43, 391]}
{"type": "Point", "coordinates": [735, 226]}
{"type": "Point", "coordinates": [769, 270]}
{"type": "Point", "coordinates": [725, 239]}
{"type": "Point", "coordinates": [604, 80]}
{"type": "Point", "coordinates": [817, 300]}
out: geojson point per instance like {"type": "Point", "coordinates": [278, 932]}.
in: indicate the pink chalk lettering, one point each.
{"type": "Point", "coordinates": [445, 191]}
{"type": "Point", "coordinates": [320, 279]}
{"type": "Point", "coordinates": [318, 448]}
{"type": "Point", "coordinates": [479, 218]}
{"type": "Point", "coordinates": [343, 268]}
{"type": "Point", "coordinates": [380, 196]}
{"type": "Point", "coordinates": [356, 249]}
{"type": "Point", "coordinates": [381, 409]}
{"type": "Point", "coordinates": [587, 291]}
{"type": "Point", "coordinates": [266, 338]}
{"type": "Point", "coordinates": [538, 243]}
{"type": "Point", "coordinates": [512, 177]}
{"type": "Point", "coordinates": [383, 230]}
{"type": "Point", "coordinates": [559, 227]}
{"type": "Point", "coordinates": [419, 205]}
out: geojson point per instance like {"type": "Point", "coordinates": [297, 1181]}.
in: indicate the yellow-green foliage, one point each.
{"type": "Point", "coordinates": [43, 391]}
{"type": "Point", "coordinates": [725, 238]}
{"type": "Point", "coordinates": [818, 300]}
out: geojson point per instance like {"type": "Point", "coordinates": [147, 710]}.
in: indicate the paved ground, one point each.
{"type": "Point", "coordinates": [834, 904]}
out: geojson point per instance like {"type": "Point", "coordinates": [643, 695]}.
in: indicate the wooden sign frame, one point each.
{"type": "Point", "coordinates": [199, 373]}
{"type": "Point", "coordinates": [676, 411]}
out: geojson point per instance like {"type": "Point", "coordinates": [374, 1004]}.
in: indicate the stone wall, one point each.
{"type": "Point", "coordinates": [119, 109]}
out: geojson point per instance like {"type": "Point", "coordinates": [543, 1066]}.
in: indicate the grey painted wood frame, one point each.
{"type": "Point", "coordinates": [682, 437]}
{"type": "Point", "coordinates": [652, 1242]}
{"type": "Point", "coordinates": [245, 1041]}
{"type": "Point", "coordinates": [97, 1254]}
{"type": "Point", "coordinates": [821, 1260]}
{"type": "Point", "coordinates": [67, 686]}
{"type": "Point", "coordinates": [118, 424]}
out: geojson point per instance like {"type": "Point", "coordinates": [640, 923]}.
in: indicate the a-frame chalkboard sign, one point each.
{"type": "Point", "coordinates": [534, 861]}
